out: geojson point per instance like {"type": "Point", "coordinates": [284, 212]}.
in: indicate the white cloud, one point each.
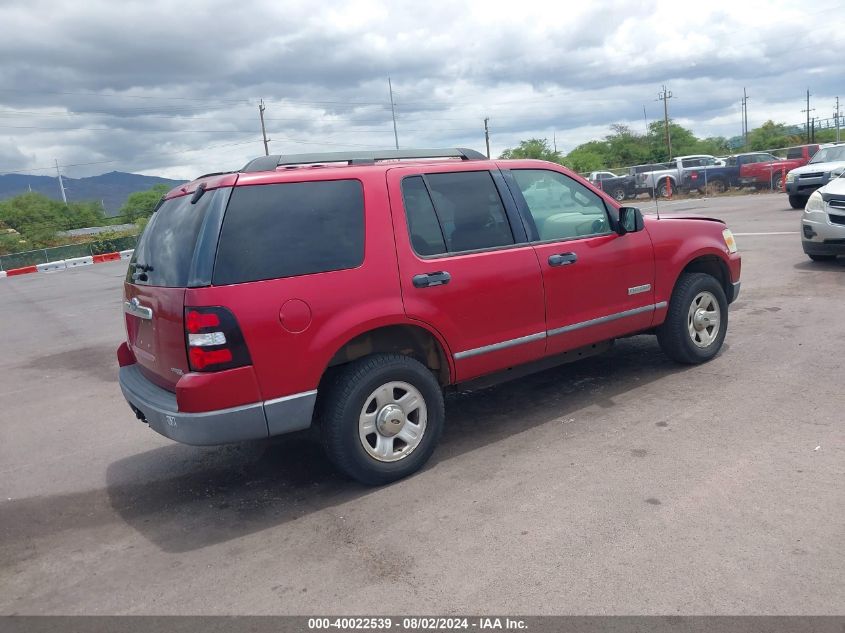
{"type": "Point", "coordinates": [172, 88]}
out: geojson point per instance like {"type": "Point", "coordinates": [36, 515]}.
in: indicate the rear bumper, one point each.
{"type": "Point", "coordinates": [158, 408]}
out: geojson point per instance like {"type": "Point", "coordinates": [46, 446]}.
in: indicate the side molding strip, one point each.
{"type": "Point", "coordinates": [495, 347]}
{"type": "Point", "coordinates": [604, 319]}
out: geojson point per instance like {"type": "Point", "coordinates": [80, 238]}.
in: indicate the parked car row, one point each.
{"type": "Point", "coordinates": [700, 172]}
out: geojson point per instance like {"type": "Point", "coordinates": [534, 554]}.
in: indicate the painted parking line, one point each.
{"type": "Point", "coordinates": [769, 233]}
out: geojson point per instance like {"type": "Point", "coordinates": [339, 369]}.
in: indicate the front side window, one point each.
{"type": "Point", "coordinates": [290, 229]}
{"type": "Point", "coordinates": [455, 212]}
{"type": "Point", "coordinates": [560, 207]}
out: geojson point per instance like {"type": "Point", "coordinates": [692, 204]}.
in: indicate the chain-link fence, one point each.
{"type": "Point", "coordinates": [56, 253]}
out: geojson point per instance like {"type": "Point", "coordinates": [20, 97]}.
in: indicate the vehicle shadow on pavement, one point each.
{"type": "Point", "coordinates": [184, 498]}
{"type": "Point", "coordinates": [837, 264]}
{"type": "Point", "coordinates": [223, 493]}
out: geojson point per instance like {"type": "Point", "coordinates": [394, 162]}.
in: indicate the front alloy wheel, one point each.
{"type": "Point", "coordinates": [696, 321]}
{"type": "Point", "coordinates": [703, 319]}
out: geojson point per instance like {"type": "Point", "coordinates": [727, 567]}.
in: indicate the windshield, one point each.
{"type": "Point", "coordinates": [829, 154]}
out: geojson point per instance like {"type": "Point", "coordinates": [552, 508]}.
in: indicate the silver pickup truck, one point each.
{"type": "Point", "coordinates": [672, 174]}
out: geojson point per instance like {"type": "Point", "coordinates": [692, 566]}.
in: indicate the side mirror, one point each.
{"type": "Point", "coordinates": [630, 220]}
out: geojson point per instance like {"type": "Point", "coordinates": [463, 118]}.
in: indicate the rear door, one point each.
{"type": "Point", "coordinates": [465, 267]}
{"type": "Point", "coordinates": [154, 291]}
{"type": "Point", "coordinates": [598, 284]}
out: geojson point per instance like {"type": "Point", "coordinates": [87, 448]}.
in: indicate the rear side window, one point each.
{"type": "Point", "coordinates": [466, 208]}
{"type": "Point", "coordinates": [290, 229]}
{"type": "Point", "coordinates": [794, 152]}
{"type": "Point", "coordinates": [165, 251]}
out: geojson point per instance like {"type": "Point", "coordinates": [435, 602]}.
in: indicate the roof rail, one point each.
{"type": "Point", "coordinates": [215, 173]}
{"type": "Point", "coordinates": [269, 163]}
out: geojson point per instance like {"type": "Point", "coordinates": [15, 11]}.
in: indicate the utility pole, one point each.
{"type": "Point", "coordinates": [61, 183]}
{"type": "Point", "coordinates": [263, 131]}
{"type": "Point", "coordinates": [554, 141]}
{"type": "Point", "coordinates": [745, 118]}
{"type": "Point", "coordinates": [487, 136]}
{"type": "Point", "coordinates": [836, 114]}
{"type": "Point", "coordinates": [664, 96]}
{"type": "Point", "coordinates": [393, 112]}
{"type": "Point", "coordinates": [645, 120]}
{"type": "Point", "coordinates": [808, 110]}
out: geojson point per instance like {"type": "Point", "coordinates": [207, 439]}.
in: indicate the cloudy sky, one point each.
{"type": "Point", "coordinates": [171, 87]}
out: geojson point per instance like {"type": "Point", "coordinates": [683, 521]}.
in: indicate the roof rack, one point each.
{"type": "Point", "coordinates": [269, 163]}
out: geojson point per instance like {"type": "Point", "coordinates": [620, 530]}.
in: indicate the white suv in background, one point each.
{"type": "Point", "coordinates": [823, 222]}
{"type": "Point", "coordinates": [826, 164]}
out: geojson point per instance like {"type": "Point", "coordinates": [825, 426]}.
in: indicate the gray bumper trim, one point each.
{"type": "Point", "coordinates": [223, 426]}
{"type": "Point", "coordinates": [734, 291]}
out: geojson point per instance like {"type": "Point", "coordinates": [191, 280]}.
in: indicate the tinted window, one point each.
{"type": "Point", "coordinates": [426, 236]}
{"type": "Point", "coordinates": [794, 152]}
{"type": "Point", "coordinates": [561, 207]}
{"type": "Point", "coordinates": [283, 230]}
{"type": "Point", "coordinates": [470, 211]}
{"type": "Point", "coordinates": [166, 247]}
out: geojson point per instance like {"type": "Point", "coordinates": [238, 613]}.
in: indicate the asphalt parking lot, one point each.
{"type": "Point", "coordinates": [624, 484]}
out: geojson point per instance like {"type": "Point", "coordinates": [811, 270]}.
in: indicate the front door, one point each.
{"type": "Point", "coordinates": [599, 284]}
{"type": "Point", "coordinates": [466, 268]}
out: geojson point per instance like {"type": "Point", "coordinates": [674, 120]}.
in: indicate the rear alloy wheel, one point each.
{"type": "Point", "coordinates": [697, 320]}
{"type": "Point", "coordinates": [618, 194]}
{"type": "Point", "coordinates": [663, 188]}
{"type": "Point", "coordinates": [778, 183]}
{"type": "Point", "coordinates": [716, 186]}
{"type": "Point", "coordinates": [381, 417]}
{"type": "Point", "coordinates": [797, 202]}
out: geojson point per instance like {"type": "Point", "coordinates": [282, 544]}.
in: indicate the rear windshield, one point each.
{"type": "Point", "coordinates": [165, 249]}
{"type": "Point", "coordinates": [289, 229]}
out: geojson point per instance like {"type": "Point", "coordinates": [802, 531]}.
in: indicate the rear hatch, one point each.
{"type": "Point", "coordinates": [174, 252]}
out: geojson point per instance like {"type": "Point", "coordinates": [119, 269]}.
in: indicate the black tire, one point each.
{"type": "Point", "coordinates": [716, 186]}
{"type": "Point", "coordinates": [344, 400]}
{"type": "Point", "coordinates": [618, 194]}
{"type": "Point", "coordinates": [777, 184]}
{"type": "Point", "coordinates": [821, 258]}
{"type": "Point", "coordinates": [797, 202]}
{"type": "Point", "coordinates": [674, 334]}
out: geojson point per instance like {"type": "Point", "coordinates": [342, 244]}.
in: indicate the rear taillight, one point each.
{"type": "Point", "coordinates": [214, 340]}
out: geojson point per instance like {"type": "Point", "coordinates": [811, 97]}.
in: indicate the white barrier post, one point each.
{"type": "Point", "coordinates": [127, 254]}
{"type": "Point", "coordinates": [79, 261]}
{"type": "Point", "coordinates": [50, 267]}
{"type": "Point", "coordinates": [2, 274]}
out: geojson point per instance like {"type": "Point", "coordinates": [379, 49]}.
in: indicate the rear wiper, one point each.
{"type": "Point", "coordinates": [141, 271]}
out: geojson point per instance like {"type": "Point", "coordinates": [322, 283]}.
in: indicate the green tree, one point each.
{"type": "Point", "coordinates": [771, 135]}
{"type": "Point", "coordinates": [141, 204]}
{"type": "Point", "coordinates": [533, 148]}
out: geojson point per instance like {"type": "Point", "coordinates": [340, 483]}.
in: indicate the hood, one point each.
{"type": "Point", "coordinates": [810, 168]}
{"type": "Point", "coordinates": [835, 187]}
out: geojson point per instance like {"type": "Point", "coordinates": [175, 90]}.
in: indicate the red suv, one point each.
{"type": "Point", "coordinates": [349, 290]}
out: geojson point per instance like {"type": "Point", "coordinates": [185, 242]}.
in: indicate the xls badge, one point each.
{"type": "Point", "coordinates": [638, 289]}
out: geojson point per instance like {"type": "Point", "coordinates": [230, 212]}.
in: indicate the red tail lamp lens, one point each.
{"type": "Point", "coordinates": [200, 358]}
{"type": "Point", "coordinates": [196, 321]}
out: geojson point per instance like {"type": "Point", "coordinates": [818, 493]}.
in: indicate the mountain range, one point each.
{"type": "Point", "coordinates": [110, 189]}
